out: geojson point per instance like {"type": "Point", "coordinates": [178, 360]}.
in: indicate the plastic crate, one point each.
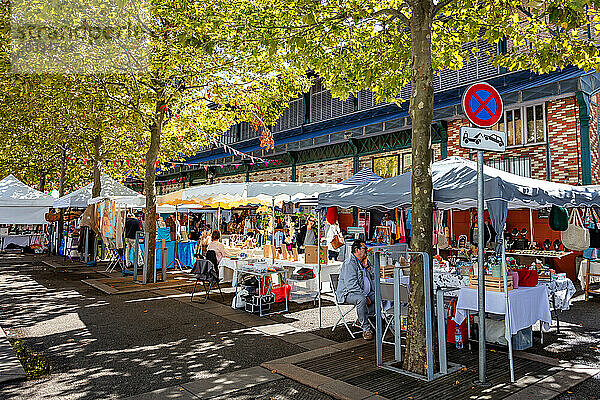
{"type": "Point", "coordinates": [254, 308]}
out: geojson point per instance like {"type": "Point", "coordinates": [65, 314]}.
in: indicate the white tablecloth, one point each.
{"type": "Point", "coordinates": [528, 305]}
{"type": "Point", "coordinates": [563, 290]}
{"type": "Point", "coordinates": [594, 269]}
{"type": "Point", "coordinates": [21, 240]}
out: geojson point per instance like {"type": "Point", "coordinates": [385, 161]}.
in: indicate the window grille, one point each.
{"type": "Point", "coordinates": [515, 165]}
{"type": "Point", "coordinates": [524, 125]}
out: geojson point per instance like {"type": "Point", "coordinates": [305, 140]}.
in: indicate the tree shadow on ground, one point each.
{"type": "Point", "coordinates": [103, 347]}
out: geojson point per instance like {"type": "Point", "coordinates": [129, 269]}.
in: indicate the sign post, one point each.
{"type": "Point", "coordinates": [483, 106]}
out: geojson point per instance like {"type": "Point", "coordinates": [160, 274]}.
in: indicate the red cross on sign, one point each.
{"type": "Point", "coordinates": [482, 105]}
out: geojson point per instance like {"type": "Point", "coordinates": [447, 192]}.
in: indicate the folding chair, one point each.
{"type": "Point", "coordinates": [115, 259]}
{"type": "Point", "coordinates": [334, 284]}
{"type": "Point", "coordinates": [206, 272]}
{"type": "Point", "coordinates": [71, 248]}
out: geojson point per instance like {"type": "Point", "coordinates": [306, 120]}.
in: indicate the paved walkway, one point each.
{"type": "Point", "coordinates": [158, 344]}
{"type": "Point", "coordinates": [10, 367]}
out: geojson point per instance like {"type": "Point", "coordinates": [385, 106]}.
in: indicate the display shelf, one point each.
{"type": "Point", "coordinates": [539, 253]}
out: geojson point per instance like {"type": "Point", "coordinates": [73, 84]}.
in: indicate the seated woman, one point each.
{"type": "Point", "coordinates": [216, 245]}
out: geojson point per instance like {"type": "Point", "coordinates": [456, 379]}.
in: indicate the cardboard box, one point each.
{"type": "Point", "coordinates": [310, 255]}
{"type": "Point", "coordinates": [267, 251]}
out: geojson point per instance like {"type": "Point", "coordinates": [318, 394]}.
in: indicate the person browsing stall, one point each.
{"type": "Point", "coordinates": [355, 286]}
{"type": "Point", "coordinates": [132, 226]}
{"type": "Point", "coordinates": [307, 236]}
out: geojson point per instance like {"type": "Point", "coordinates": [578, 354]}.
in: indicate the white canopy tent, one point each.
{"type": "Point", "coordinates": [229, 195]}
{"type": "Point", "coordinates": [80, 197]}
{"type": "Point", "coordinates": [20, 204]}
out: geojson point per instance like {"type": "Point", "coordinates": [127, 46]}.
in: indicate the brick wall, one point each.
{"type": "Point", "coordinates": [594, 138]}
{"type": "Point", "coordinates": [279, 175]}
{"type": "Point", "coordinates": [563, 135]}
{"type": "Point", "coordinates": [240, 178]}
{"type": "Point", "coordinates": [325, 172]}
{"type": "Point", "coordinates": [453, 138]}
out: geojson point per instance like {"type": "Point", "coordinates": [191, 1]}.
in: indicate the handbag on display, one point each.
{"type": "Point", "coordinates": [527, 277]}
{"type": "Point", "coordinates": [576, 237]}
{"type": "Point", "coordinates": [336, 242]}
{"type": "Point", "coordinates": [558, 219]}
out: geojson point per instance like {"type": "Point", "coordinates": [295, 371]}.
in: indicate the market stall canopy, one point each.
{"type": "Point", "coordinates": [80, 197]}
{"type": "Point", "coordinates": [231, 195]}
{"type": "Point", "coordinates": [137, 201]}
{"type": "Point", "coordinates": [363, 176]}
{"type": "Point", "coordinates": [289, 191]}
{"type": "Point", "coordinates": [455, 187]}
{"type": "Point", "coordinates": [20, 204]}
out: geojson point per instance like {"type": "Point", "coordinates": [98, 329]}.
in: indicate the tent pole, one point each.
{"type": "Point", "coordinates": [451, 226]}
{"type": "Point", "coordinates": [273, 231]}
{"type": "Point", "coordinates": [507, 315]}
{"type": "Point", "coordinates": [219, 217]}
{"type": "Point", "coordinates": [531, 227]}
{"type": "Point", "coordinates": [319, 215]}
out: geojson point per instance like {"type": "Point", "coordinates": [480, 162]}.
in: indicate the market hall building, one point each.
{"type": "Point", "coordinates": [551, 122]}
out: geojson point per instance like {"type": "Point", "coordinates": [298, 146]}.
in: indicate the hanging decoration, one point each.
{"type": "Point", "coordinates": [265, 140]}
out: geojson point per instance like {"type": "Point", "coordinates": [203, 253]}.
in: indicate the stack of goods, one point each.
{"type": "Point", "coordinates": [545, 274]}
{"type": "Point", "coordinates": [493, 284]}
{"type": "Point", "coordinates": [387, 271]}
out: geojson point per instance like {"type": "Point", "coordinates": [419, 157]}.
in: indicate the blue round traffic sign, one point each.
{"type": "Point", "coordinates": [482, 104]}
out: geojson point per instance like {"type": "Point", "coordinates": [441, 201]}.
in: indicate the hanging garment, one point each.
{"type": "Point", "coordinates": [400, 231]}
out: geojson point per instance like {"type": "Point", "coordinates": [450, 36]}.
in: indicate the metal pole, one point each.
{"type": "Point", "coordinates": [378, 325]}
{"type": "Point", "coordinates": [273, 232]}
{"type": "Point", "coordinates": [144, 270]}
{"type": "Point", "coordinates": [136, 253]}
{"type": "Point", "coordinates": [451, 226]}
{"type": "Point", "coordinates": [481, 269]}
{"type": "Point", "coordinates": [164, 261]}
{"type": "Point", "coordinates": [507, 315]}
{"type": "Point", "coordinates": [319, 265]}
{"type": "Point", "coordinates": [428, 309]}
{"type": "Point", "coordinates": [531, 227]}
{"type": "Point", "coordinates": [86, 245]}
{"type": "Point", "coordinates": [441, 326]}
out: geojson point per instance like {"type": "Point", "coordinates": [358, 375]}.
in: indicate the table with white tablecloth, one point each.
{"type": "Point", "coordinates": [560, 291]}
{"type": "Point", "coordinates": [22, 240]}
{"type": "Point", "coordinates": [528, 305]}
{"type": "Point", "coordinates": [594, 269]}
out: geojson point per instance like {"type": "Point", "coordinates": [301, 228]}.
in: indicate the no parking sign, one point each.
{"type": "Point", "coordinates": [483, 106]}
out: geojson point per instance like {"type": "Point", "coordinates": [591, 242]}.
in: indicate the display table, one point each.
{"type": "Point", "coordinates": [170, 245]}
{"type": "Point", "coordinates": [186, 252]}
{"type": "Point", "coordinates": [538, 253]}
{"type": "Point", "coordinates": [260, 271]}
{"type": "Point", "coordinates": [594, 269]}
{"type": "Point", "coordinates": [21, 240]}
{"type": "Point", "coordinates": [528, 305]}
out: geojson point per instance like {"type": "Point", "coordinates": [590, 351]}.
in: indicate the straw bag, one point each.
{"type": "Point", "coordinates": [442, 240]}
{"type": "Point", "coordinates": [576, 237]}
